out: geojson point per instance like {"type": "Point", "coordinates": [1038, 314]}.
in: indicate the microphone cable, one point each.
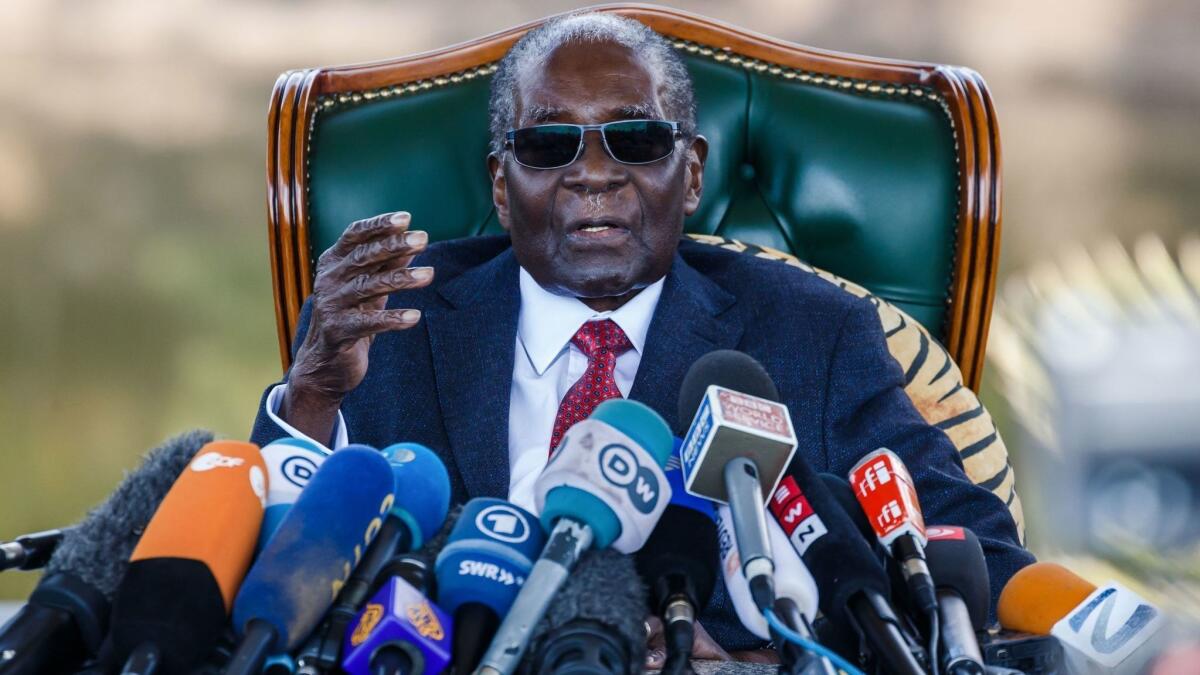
{"type": "Point", "coordinates": [815, 647]}
{"type": "Point", "coordinates": [934, 628]}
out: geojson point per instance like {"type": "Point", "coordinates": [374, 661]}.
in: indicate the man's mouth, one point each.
{"type": "Point", "coordinates": [593, 230]}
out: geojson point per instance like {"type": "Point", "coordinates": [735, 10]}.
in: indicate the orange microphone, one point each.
{"type": "Point", "coordinates": [1037, 596]}
{"type": "Point", "coordinates": [174, 601]}
{"type": "Point", "coordinates": [1106, 629]}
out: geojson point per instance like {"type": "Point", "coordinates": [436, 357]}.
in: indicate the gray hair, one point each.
{"type": "Point", "coordinates": [535, 47]}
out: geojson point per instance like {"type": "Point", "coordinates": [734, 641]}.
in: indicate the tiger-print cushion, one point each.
{"type": "Point", "coordinates": [933, 382]}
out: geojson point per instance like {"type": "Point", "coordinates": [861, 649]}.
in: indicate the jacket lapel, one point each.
{"type": "Point", "coordinates": [685, 327]}
{"type": "Point", "coordinates": [472, 343]}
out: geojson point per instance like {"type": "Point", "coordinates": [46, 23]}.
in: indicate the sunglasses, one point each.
{"type": "Point", "coordinates": [553, 146]}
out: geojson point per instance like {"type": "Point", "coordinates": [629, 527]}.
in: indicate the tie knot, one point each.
{"type": "Point", "coordinates": [597, 338]}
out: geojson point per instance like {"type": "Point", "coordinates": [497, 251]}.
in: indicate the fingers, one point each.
{"type": "Point", "coordinates": [366, 286]}
{"type": "Point", "coordinates": [704, 647]}
{"type": "Point", "coordinates": [402, 245]}
{"type": "Point", "coordinates": [656, 651]}
{"type": "Point", "coordinates": [362, 231]}
{"type": "Point", "coordinates": [356, 324]}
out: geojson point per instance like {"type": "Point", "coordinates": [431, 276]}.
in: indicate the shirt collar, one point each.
{"type": "Point", "coordinates": [547, 321]}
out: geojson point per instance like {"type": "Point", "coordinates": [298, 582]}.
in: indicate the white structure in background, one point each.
{"type": "Point", "coordinates": [1098, 354]}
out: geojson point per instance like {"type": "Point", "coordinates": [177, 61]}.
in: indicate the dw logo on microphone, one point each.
{"type": "Point", "coordinates": [620, 467]}
{"type": "Point", "coordinates": [298, 469]}
{"type": "Point", "coordinates": [503, 523]}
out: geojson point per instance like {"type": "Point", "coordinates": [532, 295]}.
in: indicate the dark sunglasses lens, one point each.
{"type": "Point", "coordinates": [639, 142]}
{"type": "Point", "coordinates": [546, 147]}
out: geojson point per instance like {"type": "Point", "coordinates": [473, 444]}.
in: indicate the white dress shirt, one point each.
{"type": "Point", "coordinates": [545, 365]}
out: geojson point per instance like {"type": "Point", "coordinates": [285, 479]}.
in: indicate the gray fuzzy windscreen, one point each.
{"type": "Point", "coordinates": [98, 549]}
{"type": "Point", "coordinates": [604, 587]}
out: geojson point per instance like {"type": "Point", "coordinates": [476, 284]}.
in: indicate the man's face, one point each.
{"type": "Point", "coordinates": [596, 229]}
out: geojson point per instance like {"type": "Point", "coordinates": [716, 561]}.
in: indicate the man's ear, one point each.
{"type": "Point", "coordinates": [693, 174]}
{"type": "Point", "coordinates": [495, 164]}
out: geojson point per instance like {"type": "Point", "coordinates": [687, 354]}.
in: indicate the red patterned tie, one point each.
{"type": "Point", "coordinates": [602, 342]}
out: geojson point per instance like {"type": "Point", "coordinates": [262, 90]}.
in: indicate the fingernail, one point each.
{"type": "Point", "coordinates": [422, 273]}
{"type": "Point", "coordinates": [399, 217]}
{"type": "Point", "coordinates": [416, 238]}
{"type": "Point", "coordinates": [410, 315]}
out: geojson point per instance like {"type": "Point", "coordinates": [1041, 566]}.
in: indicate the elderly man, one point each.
{"type": "Point", "coordinates": [478, 347]}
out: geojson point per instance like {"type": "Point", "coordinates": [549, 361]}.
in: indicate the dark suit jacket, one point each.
{"type": "Point", "coordinates": [445, 383]}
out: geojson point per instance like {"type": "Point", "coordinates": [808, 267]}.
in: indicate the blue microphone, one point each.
{"type": "Point", "coordinates": [291, 463]}
{"type": "Point", "coordinates": [422, 489]}
{"type": "Point", "coordinates": [398, 632]}
{"type": "Point", "coordinates": [305, 564]}
{"type": "Point", "coordinates": [489, 555]}
{"type": "Point", "coordinates": [604, 486]}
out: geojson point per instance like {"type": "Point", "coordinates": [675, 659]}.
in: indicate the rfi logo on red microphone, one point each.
{"type": "Point", "coordinates": [885, 491]}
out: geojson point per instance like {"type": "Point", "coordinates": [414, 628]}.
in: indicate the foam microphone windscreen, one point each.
{"type": "Point", "coordinates": [603, 598]}
{"type": "Point", "coordinates": [182, 576]}
{"type": "Point", "coordinates": [725, 368]}
{"type": "Point", "coordinates": [681, 555]}
{"type": "Point", "coordinates": [1038, 595]}
{"type": "Point", "coordinates": [67, 614]}
{"type": "Point", "coordinates": [956, 562]}
{"type": "Point", "coordinates": [422, 490]}
{"type": "Point", "coordinates": [300, 571]}
{"type": "Point", "coordinates": [840, 490]}
{"type": "Point", "coordinates": [98, 549]}
{"type": "Point", "coordinates": [839, 558]}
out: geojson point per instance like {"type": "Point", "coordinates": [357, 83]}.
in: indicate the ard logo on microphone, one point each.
{"type": "Point", "coordinates": [619, 466]}
{"type": "Point", "coordinates": [503, 523]}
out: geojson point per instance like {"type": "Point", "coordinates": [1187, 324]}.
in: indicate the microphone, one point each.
{"type": "Point", "coordinates": [176, 595]}
{"type": "Point", "coordinates": [29, 551]}
{"type": "Point", "coordinates": [679, 566]}
{"type": "Point", "coordinates": [409, 634]}
{"type": "Point", "coordinates": [961, 576]}
{"type": "Point", "coordinates": [303, 567]}
{"type": "Point", "coordinates": [291, 463]}
{"type": "Point", "coordinates": [422, 498]}
{"type": "Point", "coordinates": [735, 450]}
{"type": "Point", "coordinates": [486, 561]}
{"type": "Point", "coordinates": [853, 583]}
{"type": "Point", "coordinates": [66, 617]}
{"type": "Point", "coordinates": [398, 631]}
{"type": "Point", "coordinates": [885, 491]}
{"type": "Point", "coordinates": [595, 623]}
{"type": "Point", "coordinates": [1109, 629]}
{"type": "Point", "coordinates": [792, 578]}
{"type": "Point", "coordinates": [603, 486]}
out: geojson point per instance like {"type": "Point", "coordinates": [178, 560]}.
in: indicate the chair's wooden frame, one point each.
{"type": "Point", "coordinates": [298, 95]}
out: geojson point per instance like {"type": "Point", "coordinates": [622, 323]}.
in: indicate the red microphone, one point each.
{"type": "Point", "coordinates": [885, 491]}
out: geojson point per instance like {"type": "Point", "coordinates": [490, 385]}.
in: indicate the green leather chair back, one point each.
{"type": "Point", "coordinates": [857, 175]}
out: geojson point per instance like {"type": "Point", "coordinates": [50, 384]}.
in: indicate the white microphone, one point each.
{"type": "Point", "coordinates": [604, 486]}
{"type": "Point", "coordinates": [792, 578]}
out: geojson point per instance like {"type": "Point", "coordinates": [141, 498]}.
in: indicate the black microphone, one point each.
{"type": "Point", "coordinates": [66, 617]}
{"type": "Point", "coordinates": [853, 584]}
{"type": "Point", "coordinates": [739, 441]}
{"type": "Point", "coordinates": [679, 566]}
{"type": "Point", "coordinates": [960, 575]}
{"type": "Point", "coordinates": [595, 623]}
{"type": "Point", "coordinates": [30, 551]}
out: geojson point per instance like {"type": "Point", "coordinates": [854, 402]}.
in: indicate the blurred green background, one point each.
{"type": "Point", "coordinates": [136, 300]}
